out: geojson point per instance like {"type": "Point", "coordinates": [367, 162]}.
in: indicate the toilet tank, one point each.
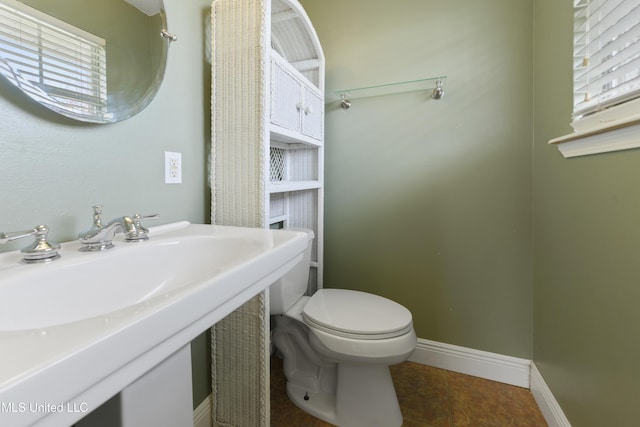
{"type": "Point", "coordinates": [285, 291]}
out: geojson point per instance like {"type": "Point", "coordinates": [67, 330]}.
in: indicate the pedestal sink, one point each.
{"type": "Point", "coordinates": [77, 331]}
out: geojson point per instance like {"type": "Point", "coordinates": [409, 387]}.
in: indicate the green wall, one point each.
{"type": "Point", "coordinates": [52, 170]}
{"type": "Point", "coordinates": [429, 202]}
{"type": "Point", "coordinates": [586, 250]}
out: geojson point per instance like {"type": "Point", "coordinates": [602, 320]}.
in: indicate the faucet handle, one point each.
{"type": "Point", "coordinates": [41, 250]}
{"type": "Point", "coordinates": [139, 233]}
{"type": "Point", "coordinates": [97, 216]}
{"type": "Point", "coordinates": [15, 235]}
{"type": "Point", "coordinates": [138, 217]}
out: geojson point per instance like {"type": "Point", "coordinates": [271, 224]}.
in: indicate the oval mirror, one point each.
{"type": "Point", "coordinates": [98, 61]}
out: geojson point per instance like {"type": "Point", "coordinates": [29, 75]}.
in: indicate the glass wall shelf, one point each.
{"type": "Point", "coordinates": [435, 84]}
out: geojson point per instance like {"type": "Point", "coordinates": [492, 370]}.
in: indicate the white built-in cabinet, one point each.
{"type": "Point", "coordinates": [296, 122]}
{"type": "Point", "coordinates": [267, 164]}
{"type": "Point", "coordinates": [287, 75]}
{"type": "Point", "coordinates": [296, 156]}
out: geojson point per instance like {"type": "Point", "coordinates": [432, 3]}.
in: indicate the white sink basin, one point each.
{"type": "Point", "coordinates": [96, 284]}
{"type": "Point", "coordinates": [83, 327]}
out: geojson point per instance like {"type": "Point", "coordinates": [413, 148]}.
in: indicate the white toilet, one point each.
{"type": "Point", "coordinates": [337, 346]}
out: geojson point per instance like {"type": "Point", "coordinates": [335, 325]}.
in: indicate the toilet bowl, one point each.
{"type": "Point", "coordinates": [337, 346]}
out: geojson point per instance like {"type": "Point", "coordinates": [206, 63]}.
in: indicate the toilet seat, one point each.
{"type": "Point", "coordinates": [356, 315]}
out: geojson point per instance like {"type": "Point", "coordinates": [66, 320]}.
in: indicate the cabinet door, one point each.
{"type": "Point", "coordinates": [312, 114]}
{"type": "Point", "coordinates": [286, 101]}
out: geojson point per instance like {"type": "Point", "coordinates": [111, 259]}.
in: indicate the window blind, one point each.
{"type": "Point", "coordinates": [606, 55]}
{"type": "Point", "coordinates": [55, 63]}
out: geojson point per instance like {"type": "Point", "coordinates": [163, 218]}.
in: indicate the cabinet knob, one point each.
{"type": "Point", "coordinates": [308, 110]}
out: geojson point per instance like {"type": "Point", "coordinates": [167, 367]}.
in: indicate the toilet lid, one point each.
{"type": "Point", "coordinates": [356, 314]}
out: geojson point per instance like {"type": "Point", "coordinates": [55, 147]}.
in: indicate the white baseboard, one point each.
{"type": "Point", "coordinates": [546, 401]}
{"type": "Point", "coordinates": [491, 366]}
{"type": "Point", "coordinates": [483, 364]}
{"type": "Point", "coordinates": [202, 414]}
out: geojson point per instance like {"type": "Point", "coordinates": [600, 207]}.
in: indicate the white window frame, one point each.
{"type": "Point", "coordinates": [601, 125]}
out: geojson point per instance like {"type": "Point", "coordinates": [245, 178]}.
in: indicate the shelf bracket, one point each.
{"type": "Point", "coordinates": [345, 102]}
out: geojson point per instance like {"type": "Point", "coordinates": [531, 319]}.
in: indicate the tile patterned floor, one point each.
{"type": "Point", "coordinates": [429, 397]}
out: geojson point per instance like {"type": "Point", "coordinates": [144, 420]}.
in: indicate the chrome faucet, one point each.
{"type": "Point", "coordinates": [100, 237]}
{"type": "Point", "coordinates": [41, 250]}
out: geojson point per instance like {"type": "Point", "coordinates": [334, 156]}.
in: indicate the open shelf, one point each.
{"type": "Point", "coordinates": [287, 136]}
{"type": "Point", "coordinates": [286, 186]}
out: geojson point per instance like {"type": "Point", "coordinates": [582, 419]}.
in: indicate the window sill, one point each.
{"type": "Point", "coordinates": [621, 136]}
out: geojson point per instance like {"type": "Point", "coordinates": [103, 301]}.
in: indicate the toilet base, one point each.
{"type": "Point", "coordinates": [321, 405]}
{"type": "Point", "coordinates": [364, 397]}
